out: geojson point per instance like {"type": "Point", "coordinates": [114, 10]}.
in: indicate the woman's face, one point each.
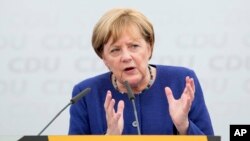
{"type": "Point", "coordinates": [128, 57]}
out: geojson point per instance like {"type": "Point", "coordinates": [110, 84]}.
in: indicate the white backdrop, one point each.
{"type": "Point", "coordinates": [45, 48]}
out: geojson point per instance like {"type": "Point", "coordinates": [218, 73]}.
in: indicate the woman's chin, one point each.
{"type": "Point", "coordinates": [133, 83]}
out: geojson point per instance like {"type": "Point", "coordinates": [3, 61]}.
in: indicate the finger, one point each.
{"type": "Point", "coordinates": [187, 105]}
{"type": "Point", "coordinates": [189, 96]}
{"type": "Point", "coordinates": [186, 89]}
{"type": "Point", "coordinates": [119, 113]}
{"type": "Point", "coordinates": [190, 92]}
{"type": "Point", "coordinates": [192, 84]}
{"type": "Point", "coordinates": [110, 109]}
{"type": "Point", "coordinates": [190, 87]}
{"type": "Point", "coordinates": [190, 81]}
{"type": "Point", "coordinates": [120, 107]}
{"type": "Point", "coordinates": [187, 92]}
{"type": "Point", "coordinates": [169, 94]}
{"type": "Point", "coordinates": [107, 99]}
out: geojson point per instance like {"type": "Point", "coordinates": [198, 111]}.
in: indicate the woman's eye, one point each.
{"type": "Point", "coordinates": [114, 50]}
{"type": "Point", "coordinates": [135, 46]}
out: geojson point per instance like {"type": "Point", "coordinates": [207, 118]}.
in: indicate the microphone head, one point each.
{"type": "Point", "coordinates": [130, 92]}
{"type": "Point", "coordinates": [80, 95]}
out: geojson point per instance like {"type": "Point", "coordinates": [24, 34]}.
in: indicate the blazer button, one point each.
{"type": "Point", "coordinates": [134, 124]}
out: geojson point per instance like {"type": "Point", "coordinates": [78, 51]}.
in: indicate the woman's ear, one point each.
{"type": "Point", "coordinates": [150, 51]}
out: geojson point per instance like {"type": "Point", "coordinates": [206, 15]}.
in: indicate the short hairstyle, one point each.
{"type": "Point", "coordinates": [112, 24]}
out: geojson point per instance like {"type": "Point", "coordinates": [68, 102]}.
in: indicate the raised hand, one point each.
{"type": "Point", "coordinates": [179, 108]}
{"type": "Point", "coordinates": [115, 121]}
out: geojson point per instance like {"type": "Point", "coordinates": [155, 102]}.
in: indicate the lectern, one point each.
{"type": "Point", "coordinates": [121, 138]}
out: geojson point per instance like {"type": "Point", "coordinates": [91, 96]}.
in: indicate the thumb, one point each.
{"type": "Point", "coordinates": [169, 94]}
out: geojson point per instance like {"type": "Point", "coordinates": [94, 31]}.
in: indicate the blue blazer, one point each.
{"type": "Point", "coordinates": [87, 116]}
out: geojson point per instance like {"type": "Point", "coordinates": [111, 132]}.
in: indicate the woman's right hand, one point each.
{"type": "Point", "coordinates": [115, 121]}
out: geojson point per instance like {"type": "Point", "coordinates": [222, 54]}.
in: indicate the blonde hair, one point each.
{"type": "Point", "coordinates": [113, 23]}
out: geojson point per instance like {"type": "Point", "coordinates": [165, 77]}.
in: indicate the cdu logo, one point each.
{"type": "Point", "coordinates": [239, 132]}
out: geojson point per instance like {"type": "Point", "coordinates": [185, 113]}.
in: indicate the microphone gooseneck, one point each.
{"type": "Point", "coordinates": [132, 99]}
{"type": "Point", "coordinates": [72, 101]}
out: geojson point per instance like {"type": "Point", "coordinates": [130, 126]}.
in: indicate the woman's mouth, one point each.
{"type": "Point", "coordinates": [129, 70]}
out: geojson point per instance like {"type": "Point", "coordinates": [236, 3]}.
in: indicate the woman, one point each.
{"type": "Point", "coordinates": [169, 100]}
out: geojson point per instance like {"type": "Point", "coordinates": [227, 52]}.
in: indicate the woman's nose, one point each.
{"type": "Point", "coordinates": [126, 56]}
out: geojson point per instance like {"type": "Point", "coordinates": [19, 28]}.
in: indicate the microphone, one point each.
{"type": "Point", "coordinates": [72, 101]}
{"type": "Point", "coordinates": [132, 99]}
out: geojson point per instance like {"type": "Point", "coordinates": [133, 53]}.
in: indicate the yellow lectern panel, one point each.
{"type": "Point", "coordinates": [128, 138]}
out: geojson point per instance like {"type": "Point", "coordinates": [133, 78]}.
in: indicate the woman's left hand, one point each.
{"type": "Point", "coordinates": [180, 108]}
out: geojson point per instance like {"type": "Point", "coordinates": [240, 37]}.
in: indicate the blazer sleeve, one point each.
{"type": "Point", "coordinates": [199, 118]}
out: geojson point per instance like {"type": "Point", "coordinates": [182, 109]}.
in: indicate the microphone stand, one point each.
{"type": "Point", "coordinates": [72, 101]}
{"type": "Point", "coordinates": [54, 118]}
{"type": "Point", "coordinates": [132, 99]}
